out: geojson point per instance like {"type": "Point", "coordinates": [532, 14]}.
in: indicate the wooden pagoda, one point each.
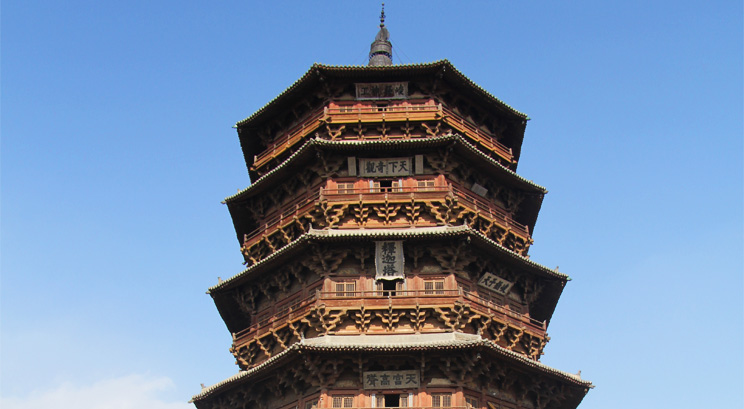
{"type": "Point", "coordinates": [386, 237]}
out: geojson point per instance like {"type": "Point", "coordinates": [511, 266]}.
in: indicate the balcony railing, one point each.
{"type": "Point", "coordinates": [303, 203]}
{"type": "Point", "coordinates": [390, 113]}
{"type": "Point", "coordinates": [279, 316]}
{"type": "Point", "coordinates": [289, 138]}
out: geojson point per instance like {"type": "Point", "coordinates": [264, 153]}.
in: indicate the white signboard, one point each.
{"type": "Point", "coordinates": [385, 167]}
{"type": "Point", "coordinates": [389, 260]}
{"type": "Point", "coordinates": [391, 379]}
{"type": "Point", "coordinates": [494, 283]}
{"type": "Point", "coordinates": [382, 90]}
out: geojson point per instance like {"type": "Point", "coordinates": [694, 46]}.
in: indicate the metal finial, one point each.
{"type": "Point", "coordinates": [381, 51]}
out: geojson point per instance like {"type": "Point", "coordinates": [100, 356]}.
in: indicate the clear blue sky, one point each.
{"type": "Point", "coordinates": [117, 149]}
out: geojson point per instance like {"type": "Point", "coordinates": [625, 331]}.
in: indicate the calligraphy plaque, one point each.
{"type": "Point", "coordinates": [391, 379]}
{"type": "Point", "coordinates": [494, 283]}
{"type": "Point", "coordinates": [389, 260]}
{"type": "Point", "coordinates": [382, 90]}
{"type": "Point", "coordinates": [385, 167]}
{"type": "Point", "coordinates": [479, 190]}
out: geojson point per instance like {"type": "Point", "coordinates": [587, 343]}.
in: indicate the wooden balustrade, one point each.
{"type": "Point", "coordinates": [374, 114]}
{"type": "Point", "coordinates": [304, 203]}
{"type": "Point", "coordinates": [288, 139]}
{"type": "Point", "coordinates": [276, 317]}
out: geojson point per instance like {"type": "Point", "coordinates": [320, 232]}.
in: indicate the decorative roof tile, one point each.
{"type": "Point", "coordinates": [420, 232]}
{"type": "Point", "coordinates": [358, 71]}
{"type": "Point", "coordinates": [392, 343]}
{"type": "Point", "coordinates": [377, 144]}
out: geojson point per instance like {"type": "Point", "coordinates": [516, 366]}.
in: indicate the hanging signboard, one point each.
{"type": "Point", "coordinates": [385, 167]}
{"type": "Point", "coordinates": [389, 260]}
{"type": "Point", "coordinates": [391, 379]}
{"type": "Point", "coordinates": [382, 90]}
{"type": "Point", "coordinates": [494, 283]}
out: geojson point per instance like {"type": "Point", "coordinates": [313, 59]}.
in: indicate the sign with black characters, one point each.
{"type": "Point", "coordinates": [382, 90]}
{"type": "Point", "coordinates": [389, 260]}
{"type": "Point", "coordinates": [391, 379]}
{"type": "Point", "coordinates": [494, 283]}
{"type": "Point", "coordinates": [385, 167]}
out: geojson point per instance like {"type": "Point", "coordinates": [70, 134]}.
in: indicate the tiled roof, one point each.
{"type": "Point", "coordinates": [392, 343]}
{"type": "Point", "coordinates": [375, 144]}
{"type": "Point", "coordinates": [420, 232]}
{"type": "Point", "coordinates": [356, 71]}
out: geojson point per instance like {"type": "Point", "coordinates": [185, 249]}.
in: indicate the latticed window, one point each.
{"type": "Point", "coordinates": [397, 185]}
{"type": "Point", "coordinates": [343, 401]}
{"type": "Point", "coordinates": [432, 287]}
{"type": "Point", "coordinates": [345, 187]}
{"type": "Point", "coordinates": [346, 289]}
{"type": "Point", "coordinates": [471, 402]}
{"type": "Point", "coordinates": [441, 400]}
{"type": "Point", "coordinates": [425, 184]}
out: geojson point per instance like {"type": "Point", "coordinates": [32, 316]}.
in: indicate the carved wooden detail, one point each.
{"type": "Point", "coordinates": [362, 319]}
{"type": "Point", "coordinates": [323, 319]}
{"type": "Point", "coordinates": [454, 258]}
{"type": "Point", "coordinates": [324, 260]}
{"type": "Point", "coordinates": [327, 166]}
{"type": "Point", "coordinates": [362, 254]}
{"type": "Point", "coordinates": [418, 317]}
{"type": "Point", "coordinates": [246, 300]}
{"type": "Point", "coordinates": [469, 368]}
{"type": "Point", "coordinates": [457, 316]}
{"type": "Point", "coordinates": [447, 210]}
{"type": "Point", "coordinates": [390, 318]}
{"type": "Point", "coordinates": [386, 211]}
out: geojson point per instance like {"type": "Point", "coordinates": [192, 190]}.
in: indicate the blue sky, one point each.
{"type": "Point", "coordinates": [117, 149]}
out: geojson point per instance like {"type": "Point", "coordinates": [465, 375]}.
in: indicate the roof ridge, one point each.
{"type": "Point", "coordinates": [455, 343]}
{"type": "Point", "coordinates": [316, 67]}
{"type": "Point", "coordinates": [321, 141]}
{"type": "Point", "coordinates": [411, 231]}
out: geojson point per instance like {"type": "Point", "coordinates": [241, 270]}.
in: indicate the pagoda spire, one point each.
{"type": "Point", "coordinates": [381, 50]}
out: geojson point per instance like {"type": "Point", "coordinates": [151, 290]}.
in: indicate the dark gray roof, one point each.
{"type": "Point", "coordinates": [392, 343]}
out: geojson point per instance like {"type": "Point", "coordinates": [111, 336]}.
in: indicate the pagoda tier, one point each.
{"type": "Point", "coordinates": [446, 181]}
{"type": "Point", "coordinates": [371, 103]}
{"type": "Point", "coordinates": [415, 371]}
{"type": "Point", "coordinates": [324, 283]}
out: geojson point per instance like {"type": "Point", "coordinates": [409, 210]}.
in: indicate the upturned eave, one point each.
{"type": "Point", "coordinates": [403, 343]}
{"type": "Point", "coordinates": [319, 72]}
